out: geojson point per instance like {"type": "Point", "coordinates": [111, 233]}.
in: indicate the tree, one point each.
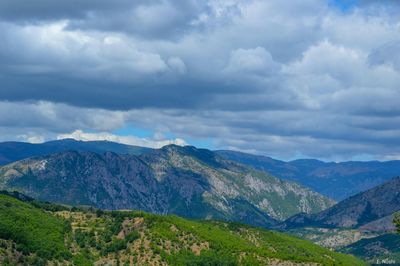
{"type": "Point", "coordinates": [396, 221]}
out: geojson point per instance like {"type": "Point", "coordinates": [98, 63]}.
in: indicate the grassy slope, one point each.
{"type": "Point", "coordinates": [83, 237]}
{"type": "Point", "coordinates": [32, 229]}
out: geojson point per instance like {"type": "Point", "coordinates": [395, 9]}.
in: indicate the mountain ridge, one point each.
{"type": "Point", "coordinates": [187, 181]}
{"type": "Point", "coordinates": [359, 210]}
{"type": "Point", "coordinates": [12, 151]}
{"type": "Point", "coordinates": [335, 180]}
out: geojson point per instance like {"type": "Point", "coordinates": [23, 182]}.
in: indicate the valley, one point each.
{"type": "Point", "coordinates": [117, 207]}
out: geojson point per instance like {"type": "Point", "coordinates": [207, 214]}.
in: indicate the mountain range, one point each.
{"type": "Point", "coordinates": [213, 185]}
{"type": "Point", "coordinates": [334, 180]}
{"type": "Point", "coordinates": [372, 209]}
{"type": "Point", "coordinates": [186, 181]}
{"type": "Point", "coordinates": [361, 225]}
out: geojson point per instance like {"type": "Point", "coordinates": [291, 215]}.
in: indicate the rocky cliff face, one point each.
{"type": "Point", "coordinates": [376, 204]}
{"type": "Point", "coordinates": [186, 181]}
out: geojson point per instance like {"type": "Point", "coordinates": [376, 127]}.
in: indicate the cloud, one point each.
{"type": "Point", "coordinates": [153, 19]}
{"type": "Point", "coordinates": [176, 64]}
{"type": "Point", "coordinates": [156, 142]}
{"type": "Point", "coordinates": [31, 138]}
{"type": "Point", "coordinates": [249, 75]}
{"type": "Point", "coordinates": [56, 117]}
{"type": "Point", "coordinates": [386, 54]}
{"type": "Point", "coordinates": [252, 61]}
{"type": "Point", "coordinates": [284, 134]}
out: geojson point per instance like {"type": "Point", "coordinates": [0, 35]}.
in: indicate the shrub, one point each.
{"type": "Point", "coordinates": [132, 236]}
{"type": "Point", "coordinates": [116, 245]}
{"type": "Point", "coordinates": [397, 221]}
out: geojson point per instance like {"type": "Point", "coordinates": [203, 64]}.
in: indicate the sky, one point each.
{"type": "Point", "coordinates": [287, 79]}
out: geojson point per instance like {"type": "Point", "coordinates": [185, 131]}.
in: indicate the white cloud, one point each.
{"type": "Point", "coordinates": [280, 78]}
{"type": "Point", "coordinates": [130, 140]}
{"type": "Point", "coordinates": [31, 138]}
{"type": "Point", "coordinates": [252, 61]}
{"type": "Point", "coordinates": [53, 49]}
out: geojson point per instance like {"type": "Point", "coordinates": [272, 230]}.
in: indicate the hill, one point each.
{"type": "Point", "coordinates": [361, 225]}
{"type": "Point", "coordinates": [14, 151]}
{"type": "Point", "coordinates": [359, 210]}
{"type": "Point", "coordinates": [383, 249]}
{"type": "Point", "coordinates": [334, 180]}
{"type": "Point", "coordinates": [186, 181]}
{"type": "Point", "coordinates": [37, 233]}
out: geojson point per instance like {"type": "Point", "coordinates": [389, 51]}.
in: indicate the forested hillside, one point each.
{"type": "Point", "coordinates": [36, 233]}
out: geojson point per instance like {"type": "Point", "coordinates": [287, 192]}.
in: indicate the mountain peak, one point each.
{"type": "Point", "coordinates": [356, 211]}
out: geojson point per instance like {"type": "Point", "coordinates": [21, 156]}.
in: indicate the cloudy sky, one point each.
{"type": "Point", "coordinates": [288, 79]}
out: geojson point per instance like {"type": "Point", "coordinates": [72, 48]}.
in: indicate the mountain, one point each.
{"type": "Point", "coordinates": [383, 249]}
{"type": "Point", "coordinates": [36, 233]}
{"type": "Point", "coordinates": [334, 180]}
{"type": "Point", "coordinates": [363, 209]}
{"type": "Point", "coordinates": [186, 181]}
{"type": "Point", "coordinates": [14, 151]}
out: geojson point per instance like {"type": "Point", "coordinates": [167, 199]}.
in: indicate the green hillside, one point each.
{"type": "Point", "coordinates": [33, 233]}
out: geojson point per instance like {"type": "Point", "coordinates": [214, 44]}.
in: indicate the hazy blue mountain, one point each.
{"type": "Point", "coordinates": [335, 180]}
{"type": "Point", "coordinates": [14, 151]}
{"type": "Point", "coordinates": [186, 181]}
{"type": "Point", "coordinates": [368, 209]}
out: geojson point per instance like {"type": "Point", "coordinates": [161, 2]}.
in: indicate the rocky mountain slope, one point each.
{"type": "Point", "coordinates": [361, 225]}
{"type": "Point", "coordinates": [186, 181]}
{"type": "Point", "coordinates": [14, 151]}
{"type": "Point", "coordinates": [362, 209]}
{"type": "Point", "coordinates": [36, 233]}
{"type": "Point", "coordinates": [335, 180]}
{"type": "Point", "coordinates": [380, 250]}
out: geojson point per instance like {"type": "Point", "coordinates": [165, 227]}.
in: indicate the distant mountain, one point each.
{"type": "Point", "coordinates": [186, 181]}
{"type": "Point", "coordinates": [14, 151]}
{"type": "Point", "coordinates": [36, 233]}
{"type": "Point", "coordinates": [372, 208]}
{"type": "Point", "coordinates": [335, 180]}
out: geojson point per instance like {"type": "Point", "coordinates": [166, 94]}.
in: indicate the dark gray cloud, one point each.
{"type": "Point", "coordinates": [248, 75]}
{"type": "Point", "coordinates": [42, 10]}
{"type": "Point", "coordinates": [156, 19]}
